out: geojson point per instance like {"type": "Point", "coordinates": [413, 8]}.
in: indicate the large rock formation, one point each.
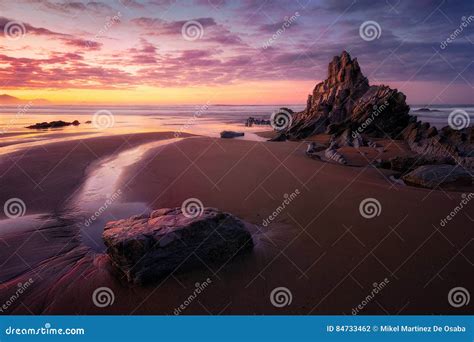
{"type": "Point", "coordinates": [346, 102]}
{"type": "Point", "coordinates": [351, 111]}
{"type": "Point", "coordinates": [146, 248]}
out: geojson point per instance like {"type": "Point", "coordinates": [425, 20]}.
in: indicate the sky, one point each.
{"type": "Point", "coordinates": [231, 52]}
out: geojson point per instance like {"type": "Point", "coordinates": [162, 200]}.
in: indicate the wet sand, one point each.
{"type": "Point", "coordinates": [319, 247]}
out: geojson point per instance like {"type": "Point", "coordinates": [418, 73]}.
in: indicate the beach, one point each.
{"type": "Point", "coordinates": [319, 246]}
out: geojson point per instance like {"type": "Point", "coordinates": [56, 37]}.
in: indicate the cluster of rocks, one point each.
{"type": "Point", "coordinates": [149, 247]}
{"type": "Point", "coordinates": [255, 121]}
{"type": "Point", "coordinates": [353, 112]}
{"type": "Point", "coordinates": [53, 124]}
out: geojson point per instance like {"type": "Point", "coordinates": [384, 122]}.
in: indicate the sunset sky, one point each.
{"type": "Point", "coordinates": [135, 52]}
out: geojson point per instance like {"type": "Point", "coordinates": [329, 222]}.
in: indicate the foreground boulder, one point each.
{"type": "Point", "coordinates": [147, 248]}
{"type": "Point", "coordinates": [231, 134]}
{"type": "Point", "coordinates": [443, 176]}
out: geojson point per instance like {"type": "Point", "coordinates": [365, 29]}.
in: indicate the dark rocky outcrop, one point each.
{"type": "Point", "coordinates": [146, 248]}
{"type": "Point", "coordinates": [346, 101]}
{"type": "Point", "coordinates": [445, 143]}
{"type": "Point", "coordinates": [352, 112]}
{"type": "Point", "coordinates": [53, 124]}
{"type": "Point", "coordinates": [434, 176]}
{"type": "Point", "coordinates": [231, 134]}
{"type": "Point", "coordinates": [407, 164]}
